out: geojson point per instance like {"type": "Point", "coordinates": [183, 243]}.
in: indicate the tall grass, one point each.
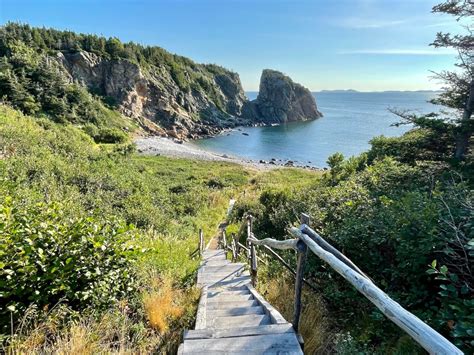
{"type": "Point", "coordinates": [314, 327]}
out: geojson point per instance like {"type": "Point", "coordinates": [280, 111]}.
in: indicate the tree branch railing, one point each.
{"type": "Point", "coordinates": [306, 238]}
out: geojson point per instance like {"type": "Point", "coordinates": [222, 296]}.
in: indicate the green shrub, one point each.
{"type": "Point", "coordinates": [46, 258]}
{"type": "Point", "coordinates": [110, 135]}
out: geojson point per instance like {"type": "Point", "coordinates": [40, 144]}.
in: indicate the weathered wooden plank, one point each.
{"type": "Point", "coordinates": [240, 277]}
{"type": "Point", "coordinates": [247, 320]}
{"type": "Point", "coordinates": [276, 244]}
{"type": "Point", "coordinates": [231, 304]}
{"type": "Point", "coordinates": [222, 269]}
{"type": "Point", "coordinates": [237, 311]}
{"type": "Point", "coordinates": [201, 313]}
{"type": "Point", "coordinates": [236, 281]}
{"type": "Point", "coordinates": [225, 292]}
{"type": "Point", "coordinates": [228, 298]}
{"type": "Point", "coordinates": [238, 332]}
{"type": "Point", "coordinates": [269, 344]}
{"type": "Point", "coordinates": [276, 317]}
{"type": "Point", "coordinates": [421, 332]}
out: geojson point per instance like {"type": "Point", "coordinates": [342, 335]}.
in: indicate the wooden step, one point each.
{"type": "Point", "coordinates": [236, 281]}
{"type": "Point", "coordinates": [248, 320]}
{"type": "Point", "coordinates": [228, 298]}
{"type": "Point", "coordinates": [221, 274]}
{"type": "Point", "coordinates": [225, 292]}
{"type": "Point", "coordinates": [238, 332]}
{"type": "Point", "coordinates": [224, 267]}
{"type": "Point", "coordinates": [260, 344]}
{"type": "Point", "coordinates": [237, 311]}
{"type": "Point", "coordinates": [231, 304]}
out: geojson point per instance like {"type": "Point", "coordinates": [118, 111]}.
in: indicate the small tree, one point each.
{"type": "Point", "coordinates": [459, 91]}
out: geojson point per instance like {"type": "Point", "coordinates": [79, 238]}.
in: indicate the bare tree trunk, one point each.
{"type": "Point", "coordinates": [466, 126]}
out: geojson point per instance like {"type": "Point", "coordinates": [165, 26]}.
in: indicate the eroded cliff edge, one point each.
{"type": "Point", "coordinates": [202, 101]}
{"type": "Point", "coordinates": [197, 101]}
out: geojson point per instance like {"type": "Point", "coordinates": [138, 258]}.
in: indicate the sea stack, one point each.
{"type": "Point", "coordinates": [281, 100]}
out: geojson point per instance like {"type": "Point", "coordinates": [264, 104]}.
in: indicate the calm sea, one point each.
{"type": "Point", "coordinates": [351, 120]}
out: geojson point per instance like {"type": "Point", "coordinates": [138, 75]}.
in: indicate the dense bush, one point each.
{"type": "Point", "coordinates": [392, 211]}
{"type": "Point", "coordinates": [46, 258]}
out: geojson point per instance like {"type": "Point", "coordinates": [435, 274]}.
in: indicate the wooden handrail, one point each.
{"type": "Point", "coordinates": [422, 333]}
{"type": "Point", "coordinates": [276, 244]}
{"type": "Point", "coordinates": [329, 248]}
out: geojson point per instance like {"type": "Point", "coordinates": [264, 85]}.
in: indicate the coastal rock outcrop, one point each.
{"type": "Point", "coordinates": [281, 100]}
{"type": "Point", "coordinates": [202, 100]}
{"type": "Point", "coordinates": [199, 101]}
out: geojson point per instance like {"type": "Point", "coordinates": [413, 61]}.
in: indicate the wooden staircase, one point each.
{"type": "Point", "coordinates": [233, 318]}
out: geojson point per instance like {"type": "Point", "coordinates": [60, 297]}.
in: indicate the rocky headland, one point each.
{"type": "Point", "coordinates": [280, 100]}
{"type": "Point", "coordinates": [196, 100]}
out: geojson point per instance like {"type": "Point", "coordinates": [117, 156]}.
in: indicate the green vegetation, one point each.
{"type": "Point", "coordinates": [33, 81]}
{"type": "Point", "coordinates": [86, 230]}
{"type": "Point", "coordinates": [96, 241]}
{"type": "Point", "coordinates": [403, 212]}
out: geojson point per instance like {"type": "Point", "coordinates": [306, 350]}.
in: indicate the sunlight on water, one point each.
{"type": "Point", "coordinates": [350, 121]}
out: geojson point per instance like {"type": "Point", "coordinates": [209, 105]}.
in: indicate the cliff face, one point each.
{"type": "Point", "coordinates": [152, 96]}
{"type": "Point", "coordinates": [154, 99]}
{"type": "Point", "coordinates": [281, 100]}
{"type": "Point", "coordinates": [165, 93]}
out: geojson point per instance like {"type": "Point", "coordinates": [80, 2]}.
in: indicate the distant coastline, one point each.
{"type": "Point", "coordinates": [348, 91]}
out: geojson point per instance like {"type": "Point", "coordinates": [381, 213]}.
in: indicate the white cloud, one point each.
{"type": "Point", "coordinates": [402, 51]}
{"type": "Point", "coordinates": [361, 23]}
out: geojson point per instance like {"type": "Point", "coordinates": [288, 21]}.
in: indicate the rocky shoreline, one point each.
{"type": "Point", "coordinates": [176, 148]}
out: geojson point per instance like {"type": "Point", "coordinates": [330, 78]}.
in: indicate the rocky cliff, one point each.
{"type": "Point", "coordinates": [211, 99]}
{"type": "Point", "coordinates": [281, 100]}
{"type": "Point", "coordinates": [84, 79]}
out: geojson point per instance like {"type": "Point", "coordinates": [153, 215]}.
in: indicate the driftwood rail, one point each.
{"type": "Point", "coordinates": [306, 238]}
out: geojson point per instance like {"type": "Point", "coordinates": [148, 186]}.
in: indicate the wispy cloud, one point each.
{"type": "Point", "coordinates": [401, 51]}
{"type": "Point", "coordinates": [442, 24]}
{"type": "Point", "coordinates": [363, 23]}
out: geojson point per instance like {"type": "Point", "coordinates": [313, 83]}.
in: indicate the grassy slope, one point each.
{"type": "Point", "coordinates": [46, 166]}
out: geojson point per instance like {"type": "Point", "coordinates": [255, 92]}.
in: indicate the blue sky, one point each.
{"type": "Point", "coordinates": [368, 45]}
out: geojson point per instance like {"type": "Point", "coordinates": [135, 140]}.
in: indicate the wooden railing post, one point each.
{"type": "Point", "coordinates": [301, 260]}
{"type": "Point", "coordinates": [201, 241]}
{"type": "Point", "coordinates": [302, 248]}
{"type": "Point", "coordinates": [224, 239]}
{"type": "Point", "coordinates": [249, 234]}
{"type": "Point", "coordinates": [252, 252]}
{"type": "Point", "coordinates": [234, 248]}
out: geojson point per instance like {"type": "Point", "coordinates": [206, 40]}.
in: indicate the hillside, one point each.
{"type": "Point", "coordinates": [98, 242]}
{"type": "Point", "coordinates": [110, 87]}
{"type": "Point", "coordinates": [77, 217]}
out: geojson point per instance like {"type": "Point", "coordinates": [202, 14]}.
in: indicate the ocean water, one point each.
{"type": "Point", "coordinates": [351, 120]}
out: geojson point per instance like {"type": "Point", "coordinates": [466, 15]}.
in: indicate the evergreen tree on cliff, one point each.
{"type": "Point", "coordinates": [459, 91]}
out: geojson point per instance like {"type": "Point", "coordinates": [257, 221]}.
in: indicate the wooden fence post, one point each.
{"type": "Point", "coordinates": [224, 240]}
{"type": "Point", "coordinates": [302, 251]}
{"type": "Point", "coordinates": [234, 248]}
{"type": "Point", "coordinates": [302, 248]}
{"type": "Point", "coordinates": [201, 241]}
{"type": "Point", "coordinates": [252, 252]}
{"type": "Point", "coordinates": [249, 234]}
